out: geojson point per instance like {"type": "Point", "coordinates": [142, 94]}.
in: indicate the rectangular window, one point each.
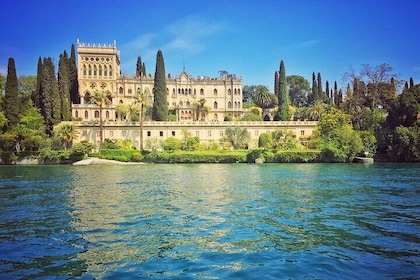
{"type": "Point", "coordinates": [173, 133]}
{"type": "Point", "coordinates": [84, 133]}
{"type": "Point", "coordinates": [111, 134]}
{"type": "Point", "coordinates": [149, 133]}
{"type": "Point", "coordinates": [161, 133]}
{"type": "Point", "coordinates": [197, 133]}
{"type": "Point", "coordinates": [257, 133]}
{"type": "Point", "coordinates": [302, 132]}
{"type": "Point", "coordinates": [209, 133]}
{"type": "Point", "coordinates": [221, 133]}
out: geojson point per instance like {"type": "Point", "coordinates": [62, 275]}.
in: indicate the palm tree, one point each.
{"type": "Point", "coordinates": [144, 98]}
{"type": "Point", "coordinates": [67, 133]}
{"type": "Point", "coordinates": [315, 111]}
{"type": "Point", "coordinates": [100, 98]}
{"type": "Point", "coordinates": [199, 106]}
{"type": "Point", "coordinates": [262, 97]}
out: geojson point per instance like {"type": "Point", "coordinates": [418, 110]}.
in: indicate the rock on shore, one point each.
{"type": "Point", "coordinates": [98, 161]}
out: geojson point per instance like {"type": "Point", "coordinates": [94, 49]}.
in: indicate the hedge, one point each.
{"type": "Point", "coordinates": [208, 156]}
{"type": "Point", "coordinates": [116, 154]}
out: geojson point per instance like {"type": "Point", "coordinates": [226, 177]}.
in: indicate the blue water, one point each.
{"type": "Point", "coordinates": [217, 221]}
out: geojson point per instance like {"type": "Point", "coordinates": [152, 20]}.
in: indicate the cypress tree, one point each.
{"type": "Point", "coordinates": [11, 104]}
{"type": "Point", "coordinates": [283, 97]}
{"type": "Point", "coordinates": [36, 94]}
{"type": "Point", "coordinates": [160, 103]}
{"type": "Point", "coordinates": [144, 70]}
{"type": "Point", "coordinates": [139, 67]}
{"type": "Point", "coordinates": [64, 87]}
{"type": "Point", "coordinates": [327, 89]}
{"type": "Point", "coordinates": [335, 96]}
{"type": "Point", "coordinates": [313, 97]}
{"type": "Point", "coordinates": [276, 83]}
{"type": "Point", "coordinates": [50, 99]}
{"type": "Point", "coordinates": [411, 82]}
{"type": "Point", "coordinates": [74, 83]}
{"type": "Point", "coordinates": [320, 95]}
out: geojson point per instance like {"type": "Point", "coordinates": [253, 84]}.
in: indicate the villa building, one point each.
{"type": "Point", "coordinates": [199, 103]}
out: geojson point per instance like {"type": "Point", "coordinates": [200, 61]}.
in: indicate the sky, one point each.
{"type": "Point", "coordinates": [245, 38]}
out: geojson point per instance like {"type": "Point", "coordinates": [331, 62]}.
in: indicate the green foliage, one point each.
{"type": "Point", "coordinates": [298, 88]}
{"type": "Point", "coordinates": [262, 97]}
{"type": "Point", "coordinates": [284, 140]}
{"type": "Point", "coordinates": [283, 113]}
{"type": "Point", "coordinates": [282, 156]}
{"type": "Point", "coordinates": [369, 143]}
{"type": "Point", "coordinates": [110, 144]}
{"type": "Point", "coordinates": [407, 140]}
{"type": "Point", "coordinates": [67, 132]}
{"type": "Point", "coordinates": [228, 118]}
{"type": "Point", "coordinates": [251, 117]}
{"type": "Point", "coordinates": [172, 118]}
{"type": "Point", "coordinates": [54, 156]}
{"type": "Point", "coordinates": [82, 148]}
{"type": "Point", "coordinates": [11, 104]}
{"type": "Point", "coordinates": [64, 87]}
{"type": "Point", "coordinates": [172, 144]}
{"type": "Point", "coordinates": [137, 157]}
{"type": "Point", "coordinates": [160, 105]}
{"type": "Point", "coordinates": [265, 141]}
{"type": "Point", "coordinates": [208, 156]}
{"type": "Point", "coordinates": [188, 142]}
{"type": "Point", "coordinates": [237, 137]}
{"type": "Point", "coordinates": [116, 154]}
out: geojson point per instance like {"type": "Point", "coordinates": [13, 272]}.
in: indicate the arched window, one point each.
{"type": "Point", "coordinates": [182, 91]}
{"type": "Point", "coordinates": [173, 91]}
{"type": "Point", "coordinates": [86, 114]}
{"type": "Point", "coordinates": [215, 105]}
{"type": "Point", "coordinates": [96, 114]}
{"type": "Point", "coordinates": [121, 102]}
{"type": "Point", "coordinates": [188, 103]}
{"type": "Point", "coordinates": [179, 91]}
{"type": "Point", "coordinates": [87, 98]}
{"type": "Point", "coordinates": [110, 71]}
{"type": "Point", "coordinates": [84, 70]}
{"type": "Point", "coordinates": [129, 91]}
{"type": "Point", "coordinates": [107, 114]}
{"type": "Point", "coordinates": [215, 117]}
{"type": "Point", "coordinates": [100, 71]}
{"type": "Point", "coordinates": [195, 92]}
{"type": "Point", "coordinates": [182, 114]}
{"type": "Point", "coordinates": [236, 104]}
{"type": "Point", "coordinates": [215, 91]}
{"type": "Point", "coordinates": [239, 91]}
{"type": "Point", "coordinates": [229, 104]}
{"type": "Point", "coordinates": [121, 90]}
{"type": "Point", "coordinates": [235, 92]}
{"type": "Point", "coordinates": [239, 104]}
{"type": "Point", "coordinates": [90, 71]}
{"type": "Point", "coordinates": [94, 70]}
{"type": "Point", "coordinates": [201, 91]}
{"type": "Point", "coordinates": [76, 114]}
{"type": "Point", "coordinates": [229, 92]}
{"type": "Point", "coordinates": [105, 71]}
{"type": "Point", "coordinates": [189, 91]}
{"type": "Point", "coordinates": [181, 104]}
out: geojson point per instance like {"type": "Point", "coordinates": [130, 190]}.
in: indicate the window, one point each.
{"type": "Point", "coordinates": [229, 104]}
{"type": "Point", "coordinates": [105, 71]}
{"type": "Point", "coordinates": [84, 133]}
{"type": "Point", "coordinates": [121, 90]}
{"type": "Point", "coordinates": [221, 133]}
{"type": "Point", "coordinates": [110, 71]}
{"type": "Point", "coordinates": [94, 71]}
{"type": "Point", "coordinates": [100, 70]}
{"type": "Point", "coordinates": [86, 114]}
{"type": "Point", "coordinates": [195, 92]}
{"type": "Point", "coordinates": [173, 133]}
{"type": "Point", "coordinates": [161, 133]}
{"type": "Point", "coordinates": [201, 91]}
{"type": "Point", "coordinates": [229, 92]}
{"type": "Point", "coordinates": [76, 115]}
{"type": "Point", "coordinates": [90, 71]}
{"type": "Point", "coordinates": [197, 133]}
{"type": "Point", "coordinates": [96, 114]}
{"type": "Point", "coordinates": [215, 92]}
{"type": "Point", "coordinates": [209, 133]}
{"type": "Point", "coordinates": [111, 134]}
{"type": "Point", "coordinates": [107, 114]}
{"type": "Point", "coordinates": [149, 133]}
{"type": "Point", "coordinates": [215, 105]}
{"type": "Point", "coordinates": [129, 91]}
{"type": "Point", "coordinates": [302, 132]}
{"type": "Point", "coordinates": [84, 70]}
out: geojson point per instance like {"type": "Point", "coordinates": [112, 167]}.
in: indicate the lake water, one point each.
{"type": "Point", "coordinates": [210, 221]}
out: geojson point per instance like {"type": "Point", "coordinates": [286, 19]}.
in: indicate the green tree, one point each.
{"type": "Point", "coordinates": [64, 87]}
{"type": "Point", "coordinates": [201, 109]}
{"type": "Point", "coordinates": [251, 117]}
{"type": "Point", "coordinates": [283, 113]}
{"type": "Point", "coordinates": [66, 132]}
{"type": "Point", "coordinates": [298, 88]}
{"type": "Point", "coordinates": [36, 97]}
{"type": "Point", "coordinates": [172, 144]}
{"type": "Point", "coordinates": [262, 97]}
{"type": "Point", "coordinates": [314, 92]}
{"type": "Point", "coordinates": [265, 140]}
{"type": "Point", "coordinates": [144, 98]}
{"type": "Point", "coordinates": [72, 72]}
{"type": "Point", "coordinates": [237, 137]}
{"type": "Point", "coordinates": [248, 93]}
{"type": "Point", "coordinates": [11, 104]}
{"type": "Point", "coordinates": [100, 98]}
{"type": "Point", "coordinates": [160, 103]}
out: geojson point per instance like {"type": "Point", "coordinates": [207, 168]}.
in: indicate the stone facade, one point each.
{"type": "Point", "coordinates": [99, 69]}
{"type": "Point", "coordinates": [199, 103]}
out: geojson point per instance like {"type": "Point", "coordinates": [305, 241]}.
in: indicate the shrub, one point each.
{"type": "Point", "coordinates": [265, 140]}
{"type": "Point", "coordinates": [298, 156]}
{"type": "Point", "coordinates": [251, 117]}
{"type": "Point", "coordinates": [136, 156]}
{"type": "Point", "coordinates": [172, 144]}
{"type": "Point", "coordinates": [116, 154]}
{"type": "Point", "coordinates": [82, 148]}
{"type": "Point", "coordinates": [228, 118]}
